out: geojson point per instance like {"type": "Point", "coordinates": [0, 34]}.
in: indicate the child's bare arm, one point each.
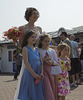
{"type": "Point", "coordinates": [68, 65]}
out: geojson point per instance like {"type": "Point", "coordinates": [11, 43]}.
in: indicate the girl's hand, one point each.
{"type": "Point", "coordinates": [50, 62]}
{"type": "Point", "coordinates": [37, 82]}
{"type": "Point", "coordinates": [36, 76]}
{"type": "Point", "coordinates": [68, 66]}
{"type": "Point", "coordinates": [42, 76]}
{"type": "Point", "coordinates": [46, 59]}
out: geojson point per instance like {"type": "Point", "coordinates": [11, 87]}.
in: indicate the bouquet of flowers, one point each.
{"type": "Point", "coordinates": [13, 33]}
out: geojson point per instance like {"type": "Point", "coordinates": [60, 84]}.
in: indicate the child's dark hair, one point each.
{"type": "Point", "coordinates": [26, 36]}
{"type": "Point", "coordinates": [42, 37]}
{"type": "Point", "coordinates": [64, 33]}
{"type": "Point", "coordinates": [60, 47]}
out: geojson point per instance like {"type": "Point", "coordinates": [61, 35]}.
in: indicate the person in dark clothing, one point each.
{"type": "Point", "coordinates": [81, 55]}
{"type": "Point", "coordinates": [18, 59]}
{"type": "Point", "coordinates": [81, 59]}
{"type": "Point", "coordinates": [65, 39]}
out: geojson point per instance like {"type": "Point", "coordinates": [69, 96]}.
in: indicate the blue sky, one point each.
{"type": "Point", "coordinates": [53, 13]}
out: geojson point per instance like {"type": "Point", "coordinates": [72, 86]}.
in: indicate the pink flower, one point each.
{"type": "Point", "coordinates": [59, 84]}
{"type": "Point", "coordinates": [20, 29]}
{"type": "Point", "coordinates": [60, 90]}
{"type": "Point", "coordinates": [5, 33]}
{"type": "Point", "coordinates": [63, 82]}
{"type": "Point", "coordinates": [66, 91]}
{"type": "Point", "coordinates": [64, 75]}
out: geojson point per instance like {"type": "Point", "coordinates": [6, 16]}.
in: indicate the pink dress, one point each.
{"type": "Point", "coordinates": [50, 81]}
{"type": "Point", "coordinates": [63, 79]}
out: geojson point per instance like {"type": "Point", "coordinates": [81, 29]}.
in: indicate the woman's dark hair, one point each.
{"type": "Point", "coordinates": [42, 37]}
{"type": "Point", "coordinates": [29, 12]}
{"type": "Point", "coordinates": [26, 36]}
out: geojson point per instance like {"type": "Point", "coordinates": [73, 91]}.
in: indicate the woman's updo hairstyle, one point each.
{"type": "Point", "coordinates": [29, 12]}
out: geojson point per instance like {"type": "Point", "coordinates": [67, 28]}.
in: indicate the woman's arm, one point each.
{"type": "Point", "coordinates": [40, 29]}
{"type": "Point", "coordinates": [23, 29]}
{"type": "Point", "coordinates": [28, 66]}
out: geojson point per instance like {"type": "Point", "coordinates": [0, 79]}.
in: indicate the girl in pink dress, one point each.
{"type": "Point", "coordinates": [63, 79]}
{"type": "Point", "coordinates": [49, 58]}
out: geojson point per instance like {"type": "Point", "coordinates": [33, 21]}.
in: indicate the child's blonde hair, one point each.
{"type": "Point", "coordinates": [61, 47]}
{"type": "Point", "coordinates": [42, 37]}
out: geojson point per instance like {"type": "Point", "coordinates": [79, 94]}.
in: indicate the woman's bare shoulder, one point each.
{"type": "Point", "coordinates": [23, 26]}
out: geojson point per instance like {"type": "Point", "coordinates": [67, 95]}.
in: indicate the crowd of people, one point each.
{"type": "Point", "coordinates": [36, 82]}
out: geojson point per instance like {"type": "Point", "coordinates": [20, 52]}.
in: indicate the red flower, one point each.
{"type": "Point", "coordinates": [13, 33]}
